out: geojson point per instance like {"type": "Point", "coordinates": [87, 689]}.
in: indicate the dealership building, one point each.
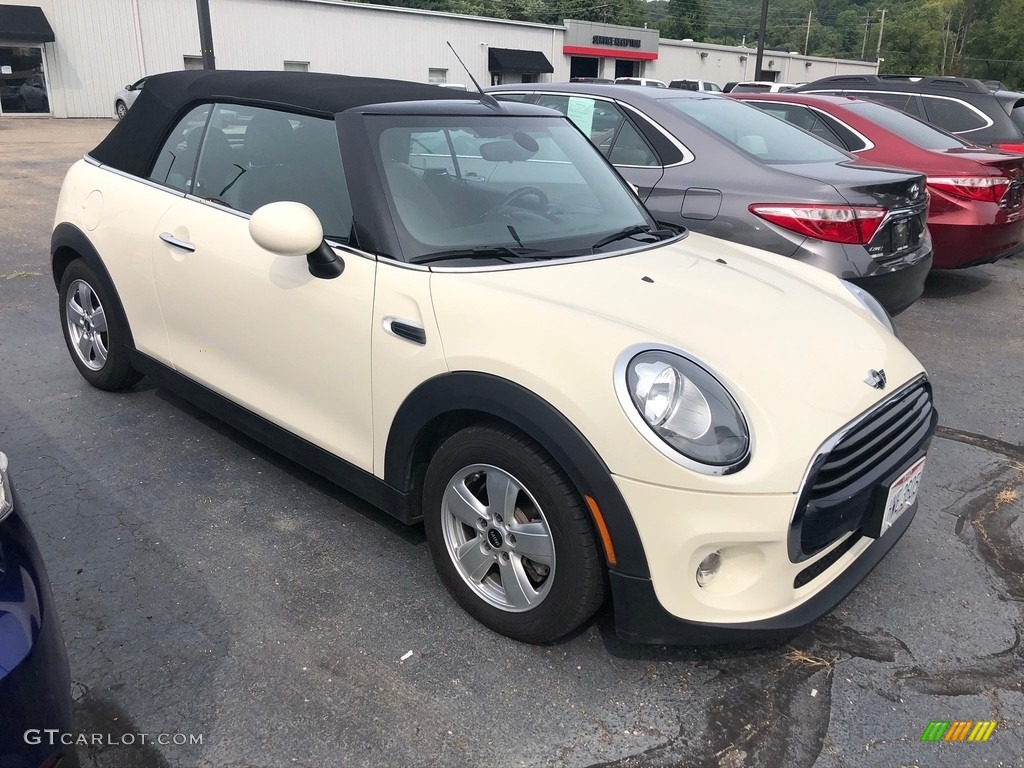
{"type": "Point", "coordinates": [67, 58]}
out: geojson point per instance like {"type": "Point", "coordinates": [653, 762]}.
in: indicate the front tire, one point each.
{"type": "Point", "coordinates": [510, 536]}
{"type": "Point", "coordinates": [121, 109]}
{"type": "Point", "coordinates": [93, 329]}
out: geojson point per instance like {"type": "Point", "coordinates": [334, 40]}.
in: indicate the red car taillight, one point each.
{"type": "Point", "coordinates": [854, 225]}
{"type": "Point", "coordinates": [988, 189]}
{"type": "Point", "coordinates": [1010, 147]}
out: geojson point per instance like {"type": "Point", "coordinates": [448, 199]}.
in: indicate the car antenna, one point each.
{"type": "Point", "coordinates": [485, 98]}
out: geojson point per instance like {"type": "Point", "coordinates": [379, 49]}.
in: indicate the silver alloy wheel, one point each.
{"type": "Point", "coordinates": [498, 538]}
{"type": "Point", "coordinates": [122, 109]}
{"type": "Point", "coordinates": [87, 325]}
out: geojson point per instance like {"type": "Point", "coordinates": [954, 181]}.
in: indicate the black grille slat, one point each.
{"type": "Point", "coordinates": [867, 441]}
{"type": "Point", "coordinates": [826, 485]}
{"type": "Point", "coordinates": [865, 431]}
{"type": "Point", "coordinates": [870, 440]}
{"type": "Point", "coordinates": [849, 482]}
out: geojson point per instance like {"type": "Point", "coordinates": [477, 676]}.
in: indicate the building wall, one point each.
{"type": "Point", "coordinates": [103, 44]}
{"type": "Point", "coordinates": [95, 53]}
{"type": "Point", "coordinates": [720, 63]}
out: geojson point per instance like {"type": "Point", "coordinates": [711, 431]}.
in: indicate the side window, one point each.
{"type": "Point", "coordinates": [176, 162]}
{"type": "Point", "coordinates": [607, 128]}
{"type": "Point", "coordinates": [849, 140]}
{"type": "Point", "coordinates": [953, 116]}
{"type": "Point", "coordinates": [904, 102]}
{"type": "Point", "coordinates": [629, 148]}
{"type": "Point", "coordinates": [253, 156]}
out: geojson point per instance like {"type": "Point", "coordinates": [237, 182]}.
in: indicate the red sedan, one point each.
{"type": "Point", "coordinates": [976, 211]}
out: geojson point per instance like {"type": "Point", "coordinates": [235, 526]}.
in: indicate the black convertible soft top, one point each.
{"type": "Point", "coordinates": [136, 140]}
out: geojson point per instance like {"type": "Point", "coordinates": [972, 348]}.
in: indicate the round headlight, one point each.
{"type": "Point", "coordinates": [688, 410]}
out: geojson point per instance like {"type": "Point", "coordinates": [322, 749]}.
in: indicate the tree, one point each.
{"type": "Point", "coordinates": [686, 19]}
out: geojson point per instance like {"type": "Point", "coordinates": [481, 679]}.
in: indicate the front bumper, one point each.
{"type": "Point", "coordinates": [35, 683]}
{"type": "Point", "coordinates": [786, 559]}
{"type": "Point", "coordinates": [641, 618]}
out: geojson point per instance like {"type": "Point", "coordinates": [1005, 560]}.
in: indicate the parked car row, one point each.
{"type": "Point", "coordinates": [726, 172]}
{"type": "Point", "coordinates": [480, 326]}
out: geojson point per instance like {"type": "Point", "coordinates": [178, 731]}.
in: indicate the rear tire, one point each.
{"type": "Point", "coordinates": [93, 329]}
{"type": "Point", "coordinates": [510, 536]}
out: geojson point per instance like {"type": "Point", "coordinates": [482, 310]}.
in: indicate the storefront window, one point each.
{"type": "Point", "coordinates": [22, 83]}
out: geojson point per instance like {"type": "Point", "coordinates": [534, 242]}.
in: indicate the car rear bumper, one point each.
{"type": "Point", "coordinates": [35, 682]}
{"type": "Point", "coordinates": [897, 285]}
{"type": "Point", "coordinates": [959, 245]}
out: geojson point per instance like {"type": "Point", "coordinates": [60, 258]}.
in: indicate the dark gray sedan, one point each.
{"type": "Point", "coordinates": [728, 170]}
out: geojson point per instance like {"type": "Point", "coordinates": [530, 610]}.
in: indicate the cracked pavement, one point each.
{"type": "Point", "coordinates": [208, 586]}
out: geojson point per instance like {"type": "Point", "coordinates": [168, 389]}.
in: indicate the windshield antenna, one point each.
{"type": "Point", "coordinates": [485, 98]}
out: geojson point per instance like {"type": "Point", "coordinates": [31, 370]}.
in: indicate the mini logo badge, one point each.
{"type": "Point", "coordinates": [876, 379]}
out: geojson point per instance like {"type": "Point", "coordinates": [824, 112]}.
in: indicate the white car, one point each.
{"type": "Point", "coordinates": [458, 310]}
{"type": "Point", "coordinates": [124, 98]}
{"type": "Point", "coordinates": [761, 86]}
{"type": "Point", "coordinates": [648, 81]}
{"type": "Point", "coordinates": [696, 85]}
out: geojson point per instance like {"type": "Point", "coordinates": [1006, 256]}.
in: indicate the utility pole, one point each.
{"type": "Point", "coordinates": [760, 39]}
{"type": "Point", "coordinates": [864, 45]}
{"type": "Point", "coordinates": [945, 42]}
{"type": "Point", "coordinates": [206, 34]}
{"type": "Point", "coordinates": [881, 29]}
{"type": "Point", "coordinates": [807, 39]}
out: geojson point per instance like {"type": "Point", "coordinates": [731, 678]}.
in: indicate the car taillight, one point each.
{"type": "Point", "coordinates": [1010, 147]}
{"type": "Point", "coordinates": [989, 189]}
{"type": "Point", "coordinates": [854, 225]}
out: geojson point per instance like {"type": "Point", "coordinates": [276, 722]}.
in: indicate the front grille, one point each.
{"type": "Point", "coordinates": [871, 442]}
{"type": "Point", "coordinates": [846, 484]}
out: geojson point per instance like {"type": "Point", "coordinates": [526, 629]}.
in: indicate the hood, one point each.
{"type": "Point", "coordinates": [786, 339]}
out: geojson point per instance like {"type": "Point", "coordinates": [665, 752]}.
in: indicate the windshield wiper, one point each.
{"type": "Point", "coordinates": [622, 234]}
{"type": "Point", "coordinates": [501, 252]}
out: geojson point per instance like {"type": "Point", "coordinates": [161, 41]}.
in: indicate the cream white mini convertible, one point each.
{"type": "Point", "coordinates": [459, 311]}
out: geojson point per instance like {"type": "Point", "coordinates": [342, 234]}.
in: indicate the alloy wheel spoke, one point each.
{"type": "Point", "coordinates": [85, 347]}
{"type": "Point", "coordinates": [100, 350]}
{"type": "Point", "coordinates": [85, 296]}
{"type": "Point", "coordinates": [474, 560]}
{"type": "Point", "coordinates": [464, 505]}
{"type": "Point", "coordinates": [75, 312]}
{"type": "Point", "coordinates": [518, 590]}
{"type": "Point", "coordinates": [99, 320]}
{"type": "Point", "coordinates": [502, 492]}
{"type": "Point", "coordinates": [534, 541]}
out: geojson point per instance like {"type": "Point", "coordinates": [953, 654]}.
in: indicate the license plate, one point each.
{"type": "Point", "coordinates": [902, 494]}
{"type": "Point", "coordinates": [900, 234]}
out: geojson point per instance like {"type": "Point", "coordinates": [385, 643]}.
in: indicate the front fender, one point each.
{"type": "Point", "coordinates": [463, 391]}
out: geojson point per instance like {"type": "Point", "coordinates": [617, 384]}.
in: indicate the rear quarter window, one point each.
{"type": "Point", "coordinates": [954, 116]}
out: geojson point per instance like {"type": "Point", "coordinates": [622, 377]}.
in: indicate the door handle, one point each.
{"type": "Point", "coordinates": [170, 239]}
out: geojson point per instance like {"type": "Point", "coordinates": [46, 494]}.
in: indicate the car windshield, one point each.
{"type": "Point", "coordinates": [763, 137]}
{"type": "Point", "coordinates": [906, 127]}
{"type": "Point", "coordinates": [502, 187]}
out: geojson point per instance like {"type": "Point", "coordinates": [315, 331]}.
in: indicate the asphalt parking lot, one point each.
{"type": "Point", "coordinates": [208, 587]}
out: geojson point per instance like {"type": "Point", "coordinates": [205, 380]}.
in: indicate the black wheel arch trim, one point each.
{"type": "Point", "coordinates": [68, 236]}
{"type": "Point", "coordinates": [512, 403]}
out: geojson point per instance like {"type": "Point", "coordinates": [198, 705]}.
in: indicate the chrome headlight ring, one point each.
{"type": "Point", "coordinates": [871, 304]}
{"type": "Point", "coordinates": [682, 409]}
